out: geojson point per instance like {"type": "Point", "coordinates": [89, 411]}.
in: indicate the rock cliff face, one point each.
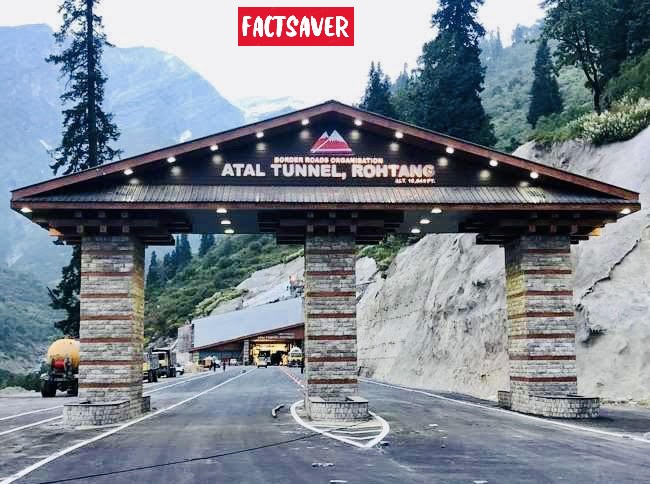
{"type": "Point", "coordinates": [438, 319]}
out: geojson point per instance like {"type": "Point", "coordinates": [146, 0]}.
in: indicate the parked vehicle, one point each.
{"type": "Point", "coordinates": [234, 362]}
{"type": "Point", "coordinates": [62, 368]}
{"type": "Point", "coordinates": [167, 361]}
{"type": "Point", "coordinates": [180, 369]}
{"type": "Point", "coordinates": [150, 367]}
{"type": "Point", "coordinates": [262, 363]}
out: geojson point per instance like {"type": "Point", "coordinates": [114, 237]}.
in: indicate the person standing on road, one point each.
{"type": "Point", "coordinates": [214, 366]}
{"type": "Point", "coordinates": [223, 365]}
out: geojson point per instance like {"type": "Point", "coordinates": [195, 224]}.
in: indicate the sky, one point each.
{"type": "Point", "coordinates": [203, 33]}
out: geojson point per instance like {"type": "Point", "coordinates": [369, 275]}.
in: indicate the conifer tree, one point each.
{"type": "Point", "coordinates": [377, 98]}
{"type": "Point", "coordinates": [446, 93]}
{"type": "Point", "coordinates": [545, 98]}
{"type": "Point", "coordinates": [170, 266]}
{"type": "Point", "coordinates": [207, 242]}
{"type": "Point", "coordinates": [183, 252]}
{"type": "Point", "coordinates": [153, 276]}
{"type": "Point", "coordinates": [65, 296]}
{"type": "Point", "coordinates": [87, 129]}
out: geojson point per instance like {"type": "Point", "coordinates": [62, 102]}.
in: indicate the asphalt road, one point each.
{"type": "Point", "coordinates": [230, 436]}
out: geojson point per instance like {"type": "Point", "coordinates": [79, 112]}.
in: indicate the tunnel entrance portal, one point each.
{"type": "Point", "coordinates": [330, 177]}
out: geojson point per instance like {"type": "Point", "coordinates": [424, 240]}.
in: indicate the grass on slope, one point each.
{"type": "Point", "coordinates": [26, 321]}
{"type": "Point", "coordinates": [226, 265]}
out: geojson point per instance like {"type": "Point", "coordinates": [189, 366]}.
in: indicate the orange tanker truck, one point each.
{"type": "Point", "coordinates": [62, 368]}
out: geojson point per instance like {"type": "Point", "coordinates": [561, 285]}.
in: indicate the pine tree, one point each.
{"type": "Point", "coordinates": [170, 266]}
{"type": "Point", "coordinates": [183, 252]}
{"type": "Point", "coordinates": [65, 296]}
{"type": "Point", "coordinates": [207, 242]}
{"type": "Point", "coordinates": [545, 98]}
{"type": "Point", "coordinates": [377, 98]}
{"type": "Point", "coordinates": [446, 93]}
{"type": "Point", "coordinates": [153, 276]}
{"type": "Point", "coordinates": [87, 129]}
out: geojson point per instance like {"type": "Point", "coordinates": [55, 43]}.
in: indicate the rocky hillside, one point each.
{"type": "Point", "coordinates": [438, 320]}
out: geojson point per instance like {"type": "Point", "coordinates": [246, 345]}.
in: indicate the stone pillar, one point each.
{"type": "Point", "coordinates": [331, 390]}
{"type": "Point", "coordinates": [111, 331]}
{"type": "Point", "coordinates": [542, 327]}
{"type": "Point", "coordinates": [246, 352]}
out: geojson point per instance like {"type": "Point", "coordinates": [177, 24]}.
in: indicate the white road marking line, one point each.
{"type": "Point", "coordinates": [372, 443]}
{"type": "Point", "coordinates": [568, 426]}
{"type": "Point", "coordinates": [58, 417]}
{"type": "Point", "coordinates": [41, 463]}
{"type": "Point", "coordinates": [30, 413]}
{"type": "Point", "coordinates": [34, 424]}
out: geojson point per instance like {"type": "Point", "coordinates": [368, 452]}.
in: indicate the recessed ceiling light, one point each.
{"type": "Point", "coordinates": [484, 174]}
{"type": "Point", "coordinates": [450, 150]}
{"type": "Point", "coordinates": [425, 221]}
{"type": "Point", "coordinates": [171, 159]}
{"type": "Point", "coordinates": [358, 122]}
{"type": "Point", "coordinates": [260, 134]}
{"type": "Point", "coordinates": [625, 211]}
{"type": "Point", "coordinates": [305, 122]}
{"type": "Point", "coordinates": [128, 172]}
{"type": "Point", "coordinates": [534, 175]}
{"type": "Point", "coordinates": [226, 222]}
{"type": "Point", "coordinates": [176, 170]}
{"type": "Point", "coordinates": [399, 134]}
{"type": "Point", "coordinates": [214, 148]}
{"type": "Point", "coordinates": [222, 210]}
{"type": "Point", "coordinates": [415, 230]}
{"type": "Point", "coordinates": [436, 210]}
{"type": "Point", "coordinates": [443, 161]}
{"type": "Point", "coordinates": [26, 210]}
{"type": "Point", "coordinates": [494, 163]}
{"type": "Point", "coordinates": [229, 231]}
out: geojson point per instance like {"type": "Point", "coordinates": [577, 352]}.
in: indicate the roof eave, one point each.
{"type": "Point", "coordinates": [326, 107]}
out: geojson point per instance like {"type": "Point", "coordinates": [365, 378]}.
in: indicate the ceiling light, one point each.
{"type": "Point", "coordinates": [226, 222]}
{"type": "Point", "coordinates": [358, 122]}
{"type": "Point", "coordinates": [534, 175]}
{"type": "Point", "coordinates": [176, 170]}
{"type": "Point", "coordinates": [625, 211]}
{"type": "Point", "coordinates": [436, 210]}
{"type": "Point", "coordinates": [222, 210]}
{"type": "Point", "coordinates": [260, 134]}
{"type": "Point", "coordinates": [128, 172]}
{"type": "Point", "coordinates": [425, 221]}
{"type": "Point", "coordinates": [524, 184]}
{"type": "Point", "coordinates": [229, 231]}
{"type": "Point", "coordinates": [415, 230]}
{"type": "Point", "coordinates": [450, 150]}
{"type": "Point", "coordinates": [26, 210]}
{"type": "Point", "coordinates": [484, 174]}
{"type": "Point", "coordinates": [442, 161]}
{"type": "Point", "coordinates": [305, 122]}
{"type": "Point", "coordinates": [399, 134]}
{"type": "Point", "coordinates": [214, 148]}
{"type": "Point", "coordinates": [494, 163]}
{"type": "Point", "coordinates": [171, 159]}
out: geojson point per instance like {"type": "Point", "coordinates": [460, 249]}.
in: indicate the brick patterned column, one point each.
{"type": "Point", "coordinates": [541, 323]}
{"type": "Point", "coordinates": [112, 320]}
{"type": "Point", "coordinates": [330, 318]}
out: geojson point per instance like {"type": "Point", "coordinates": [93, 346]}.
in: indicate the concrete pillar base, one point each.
{"type": "Point", "coordinates": [554, 406]}
{"type": "Point", "coordinates": [87, 414]}
{"type": "Point", "coordinates": [351, 409]}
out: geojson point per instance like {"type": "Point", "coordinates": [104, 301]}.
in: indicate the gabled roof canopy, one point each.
{"type": "Point", "coordinates": [329, 167]}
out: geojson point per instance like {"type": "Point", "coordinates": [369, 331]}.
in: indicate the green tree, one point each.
{"type": "Point", "coordinates": [591, 35]}
{"type": "Point", "coordinates": [65, 295]}
{"type": "Point", "coordinates": [154, 276]}
{"type": "Point", "coordinates": [207, 242]}
{"type": "Point", "coordinates": [170, 265]}
{"type": "Point", "coordinates": [377, 98]}
{"type": "Point", "coordinates": [183, 252]}
{"type": "Point", "coordinates": [545, 98]}
{"type": "Point", "coordinates": [449, 80]}
{"type": "Point", "coordinates": [87, 129]}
